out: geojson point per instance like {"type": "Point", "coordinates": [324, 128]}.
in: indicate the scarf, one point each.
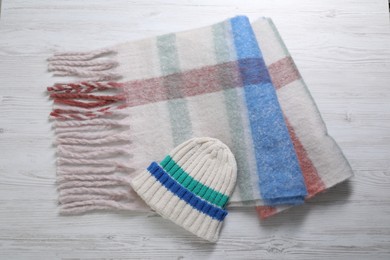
{"type": "Point", "coordinates": [232, 81]}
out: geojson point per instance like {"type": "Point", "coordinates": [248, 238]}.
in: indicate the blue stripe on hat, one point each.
{"type": "Point", "coordinates": [197, 203]}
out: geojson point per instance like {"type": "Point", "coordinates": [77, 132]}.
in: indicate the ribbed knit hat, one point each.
{"type": "Point", "coordinates": [191, 186]}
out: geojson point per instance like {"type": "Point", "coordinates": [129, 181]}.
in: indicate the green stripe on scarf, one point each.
{"type": "Point", "coordinates": [223, 53]}
{"type": "Point", "coordinates": [203, 191]}
{"type": "Point", "coordinates": [178, 110]}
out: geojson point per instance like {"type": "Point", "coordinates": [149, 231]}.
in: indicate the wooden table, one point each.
{"type": "Point", "coordinates": [342, 48]}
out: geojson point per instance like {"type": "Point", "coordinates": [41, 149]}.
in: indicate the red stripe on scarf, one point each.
{"type": "Point", "coordinates": [283, 72]}
{"type": "Point", "coordinates": [193, 83]}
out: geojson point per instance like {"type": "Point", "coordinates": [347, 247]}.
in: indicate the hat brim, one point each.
{"type": "Point", "coordinates": [174, 202]}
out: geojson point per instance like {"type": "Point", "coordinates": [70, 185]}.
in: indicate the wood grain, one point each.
{"type": "Point", "coordinates": [342, 48]}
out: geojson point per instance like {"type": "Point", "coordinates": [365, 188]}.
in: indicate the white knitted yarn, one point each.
{"type": "Point", "coordinates": [207, 161]}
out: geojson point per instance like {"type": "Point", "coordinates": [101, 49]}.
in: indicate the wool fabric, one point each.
{"type": "Point", "coordinates": [191, 186]}
{"type": "Point", "coordinates": [230, 81]}
{"type": "Point", "coordinates": [321, 160]}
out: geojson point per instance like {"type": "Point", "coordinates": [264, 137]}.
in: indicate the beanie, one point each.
{"type": "Point", "coordinates": [191, 185]}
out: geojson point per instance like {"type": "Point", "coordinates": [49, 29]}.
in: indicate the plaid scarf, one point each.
{"type": "Point", "coordinates": [233, 81]}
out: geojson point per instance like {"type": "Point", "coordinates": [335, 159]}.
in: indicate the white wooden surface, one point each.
{"type": "Point", "coordinates": [342, 48]}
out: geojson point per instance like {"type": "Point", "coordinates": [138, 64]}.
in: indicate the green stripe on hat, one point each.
{"type": "Point", "coordinates": [201, 190]}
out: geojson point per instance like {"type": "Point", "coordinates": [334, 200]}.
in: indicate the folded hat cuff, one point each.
{"type": "Point", "coordinates": [173, 201]}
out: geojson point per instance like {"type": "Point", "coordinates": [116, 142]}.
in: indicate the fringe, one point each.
{"type": "Point", "coordinates": [76, 152]}
{"type": "Point", "coordinates": [92, 137]}
{"type": "Point", "coordinates": [94, 128]}
{"type": "Point", "coordinates": [82, 207]}
{"type": "Point", "coordinates": [92, 122]}
{"type": "Point", "coordinates": [87, 65]}
{"type": "Point", "coordinates": [84, 87]}
{"type": "Point", "coordinates": [85, 100]}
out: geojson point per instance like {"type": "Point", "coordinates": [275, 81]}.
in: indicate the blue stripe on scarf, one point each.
{"type": "Point", "coordinates": [280, 177]}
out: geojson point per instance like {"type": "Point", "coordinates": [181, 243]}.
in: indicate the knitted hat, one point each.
{"type": "Point", "coordinates": [191, 186]}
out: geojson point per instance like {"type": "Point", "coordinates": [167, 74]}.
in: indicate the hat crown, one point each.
{"type": "Point", "coordinates": [206, 167]}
